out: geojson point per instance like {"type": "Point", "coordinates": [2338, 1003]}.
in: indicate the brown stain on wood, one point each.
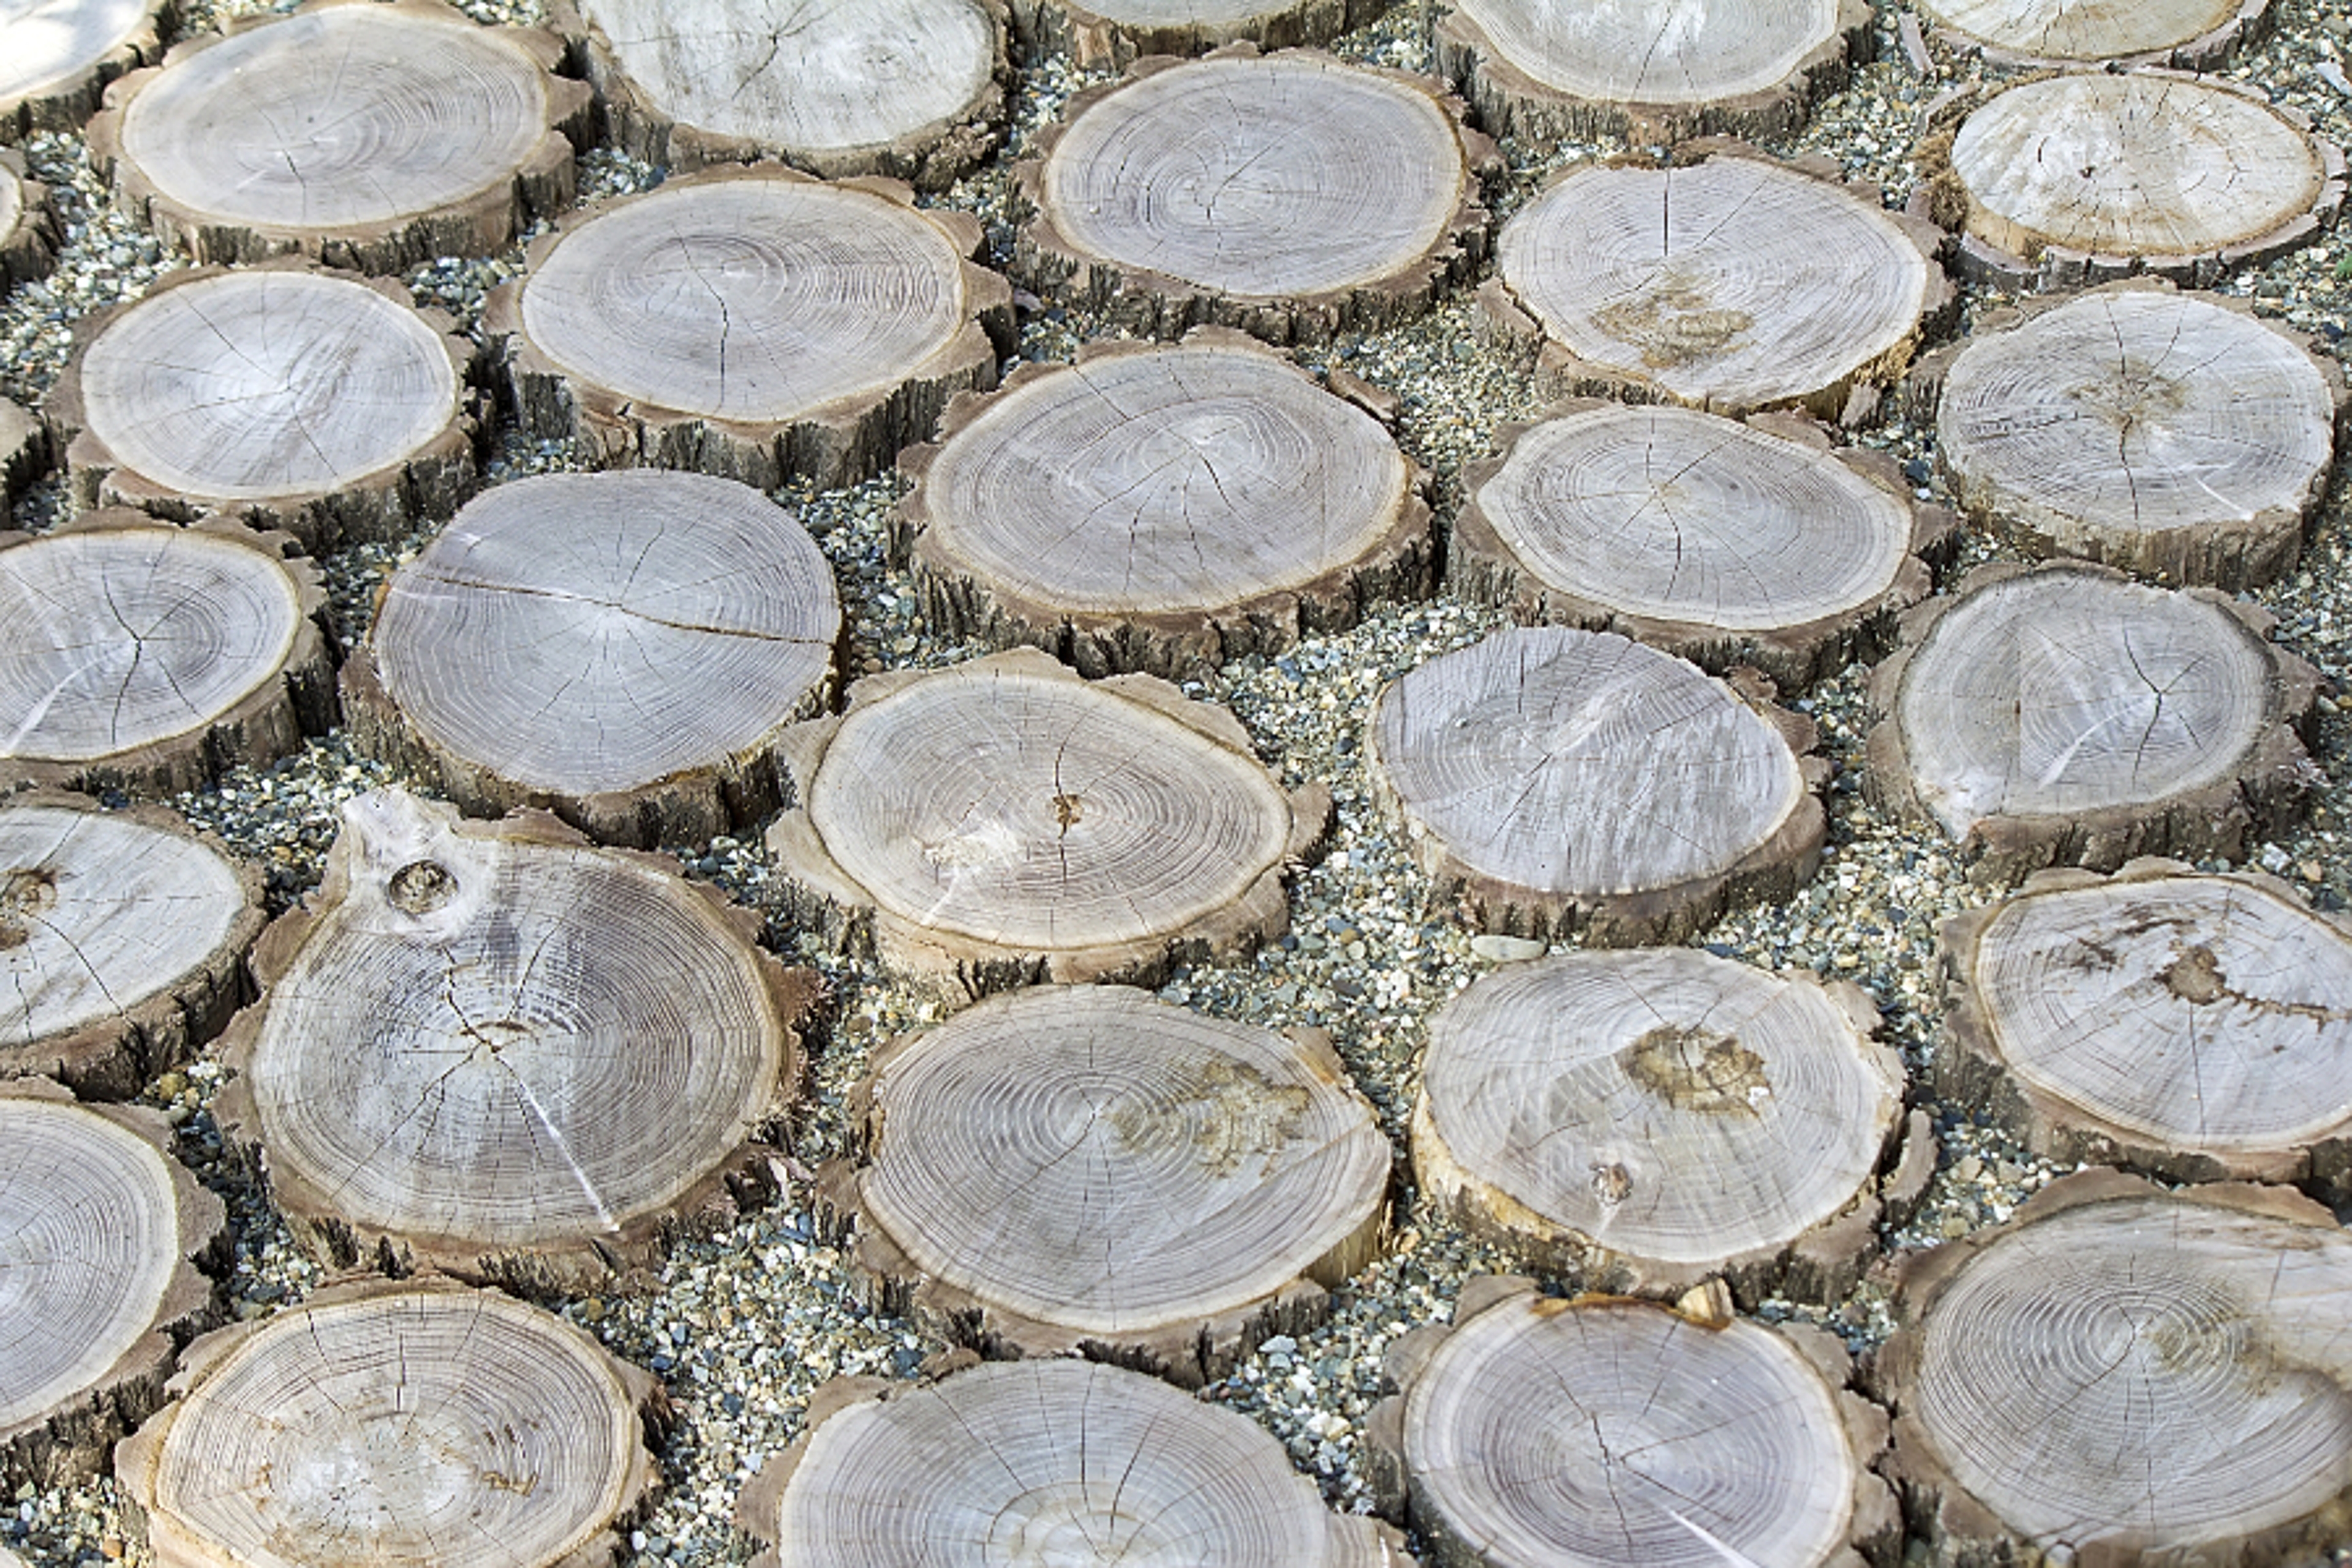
{"type": "Point", "coordinates": [27, 893]}
{"type": "Point", "coordinates": [421, 886]}
{"type": "Point", "coordinates": [1673, 321]}
{"type": "Point", "coordinates": [2197, 978]}
{"type": "Point", "coordinates": [1696, 1069]}
{"type": "Point", "coordinates": [2140, 393]}
{"type": "Point", "coordinates": [1236, 1113]}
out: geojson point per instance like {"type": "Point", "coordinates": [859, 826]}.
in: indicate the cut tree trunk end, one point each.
{"type": "Point", "coordinates": [29, 230]}
{"type": "Point", "coordinates": [1098, 33]}
{"type": "Point", "coordinates": [1535, 1431]}
{"type": "Point", "coordinates": [147, 659]}
{"type": "Point", "coordinates": [1043, 1462]}
{"type": "Point", "coordinates": [752, 323]}
{"type": "Point", "coordinates": [1003, 821]}
{"type": "Point", "coordinates": [2179, 436]}
{"type": "Point", "coordinates": [123, 942]}
{"type": "Point", "coordinates": [2125, 1375]}
{"type": "Point", "coordinates": [100, 1232]}
{"type": "Point", "coordinates": [1654, 1117]}
{"type": "Point", "coordinates": [372, 134]}
{"type": "Point", "coordinates": [1725, 543]}
{"type": "Point", "coordinates": [57, 57]}
{"type": "Point", "coordinates": [1733, 284]}
{"type": "Point", "coordinates": [1161, 509]}
{"type": "Point", "coordinates": [407, 1422]}
{"type": "Point", "coordinates": [488, 1049]}
{"type": "Point", "coordinates": [911, 90]}
{"type": "Point", "coordinates": [1288, 194]}
{"type": "Point", "coordinates": [2191, 35]}
{"type": "Point", "coordinates": [2066, 714]}
{"type": "Point", "coordinates": [1655, 72]}
{"type": "Point", "coordinates": [24, 455]}
{"type": "Point", "coordinates": [2076, 178]}
{"type": "Point", "coordinates": [1553, 782]}
{"type": "Point", "coordinates": [289, 396]}
{"type": "Point", "coordinates": [1086, 1168]}
{"type": "Point", "coordinates": [2198, 1028]}
{"type": "Point", "coordinates": [650, 635]}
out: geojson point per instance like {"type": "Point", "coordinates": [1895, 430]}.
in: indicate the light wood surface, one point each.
{"type": "Point", "coordinates": [29, 230]}
{"type": "Point", "coordinates": [1117, 32]}
{"type": "Point", "coordinates": [23, 452]}
{"type": "Point", "coordinates": [56, 56]}
{"type": "Point", "coordinates": [2190, 33]}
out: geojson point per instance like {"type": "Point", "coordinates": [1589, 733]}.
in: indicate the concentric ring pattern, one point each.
{"type": "Point", "coordinates": [1658, 51]}
{"type": "Point", "coordinates": [51, 41]}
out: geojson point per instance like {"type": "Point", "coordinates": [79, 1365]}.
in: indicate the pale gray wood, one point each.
{"type": "Point", "coordinates": [28, 231]}
{"type": "Point", "coordinates": [1117, 32]}
{"type": "Point", "coordinates": [651, 634]}
{"type": "Point", "coordinates": [2142, 1375]}
{"type": "Point", "coordinates": [56, 56]}
{"type": "Point", "coordinates": [2195, 34]}
{"type": "Point", "coordinates": [413, 1423]}
{"type": "Point", "coordinates": [1088, 1166]}
{"type": "Point", "coordinates": [24, 453]}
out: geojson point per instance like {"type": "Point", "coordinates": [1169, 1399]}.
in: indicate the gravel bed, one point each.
{"type": "Point", "coordinates": [746, 1321]}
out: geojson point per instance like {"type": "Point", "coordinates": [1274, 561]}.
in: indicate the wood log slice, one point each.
{"type": "Point", "coordinates": [372, 134]}
{"type": "Point", "coordinates": [649, 636]}
{"type": "Point", "coordinates": [909, 89]}
{"type": "Point", "coordinates": [2123, 1376]}
{"type": "Point", "coordinates": [1726, 543]}
{"type": "Point", "coordinates": [490, 1048]}
{"type": "Point", "coordinates": [56, 56]}
{"type": "Point", "coordinates": [313, 401]}
{"type": "Point", "coordinates": [1118, 32]}
{"type": "Point", "coordinates": [29, 230]}
{"type": "Point", "coordinates": [2192, 34]}
{"type": "Point", "coordinates": [397, 1422]}
{"type": "Point", "coordinates": [2066, 714]}
{"type": "Point", "coordinates": [1161, 509]}
{"type": "Point", "coordinates": [2176, 435]}
{"type": "Point", "coordinates": [123, 942]}
{"type": "Point", "coordinates": [100, 1232]}
{"type": "Point", "coordinates": [1732, 284]}
{"type": "Point", "coordinates": [750, 323]}
{"type": "Point", "coordinates": [2198, 1028]}
{"type": "Point", "coordinates": [24, 454]}
{"type": "Point", "coordinates": [1289, 194]}
{"type": "Point", "coordinates": [146, 658]}
{"type": "Point", "coordinates": [1003, 821]}
{"type": "Point", "coordinates": [2089, 177]}
{"type": "Point", "coordinates": [1552, 781]}
{"type": "Point", "coordinates": [1609, 1433]}
{"type": "Point", "coordinates": [1656, 1117]}
{"type": "Point", "coordinates": [1660, 70]}
{"type": "Point", "coordinates": [1045, 1462]}
{"type": "Point", "coordinates": [1086, 1168]}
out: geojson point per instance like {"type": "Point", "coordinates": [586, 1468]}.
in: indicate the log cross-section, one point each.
{"type": "Point", "coordinates": [57, 55]}
{"type": "Point", "coordinates": [2193, 35]}
{"type": "Point", "coordinates": [1117, 32]}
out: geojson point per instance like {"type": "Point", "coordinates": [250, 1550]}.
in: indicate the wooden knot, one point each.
{"type": "Point", "coordinates": [421, 886]}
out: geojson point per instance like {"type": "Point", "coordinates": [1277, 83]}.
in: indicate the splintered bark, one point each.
{"type": "Point", "coordinates": [1161, 509]}
{"type": "Point", "coordinates": [2131, 1375]}
{"type": "Point", "coordinates": [56, 56]}
{"type": "Point", "coordinates": [2193, 35]}
{"type": "Point", "coordinates": [1289, 194]}
{"type": "Point", "coordinates": [1657, 70]}
{"type": "Point", "coordinates": [101, 1230]}
{"type": "Point", "coordinates": [2200, 1028]}
{"type": "Point", "coordinates": [1554, 782]}
{"type": "Point", "coordinates": [2066, 714]}
{"type": "Point", "coordinates": [2175, 436]}
{"type": "Point", "coordinates": [317, 402]}
{"type": "Point", "coordinates": [24, 454]}
{"type": "Point", "coordinates": [1086, 1168]}
{"type": "Point", "coordinates": [913, 89]}
{"type": "Point", "coordinates": [28, 238]}
{"type": "Point", "coordinates": [1732, 284]}
{"type": "Point", "coordinates": [649, 634]}
{"type": "Point", "coordinates": [1118, 32]}
{"type": "Point", "coordinates": [2078, 177]}
{"type": "Point", "coordinates": [752, 323]}
{"type": "Point", "coordinates": [146, 658]}
{"type": "Point", "coordinates": [1656, 1117]}
{"type": "Point", "coordinates": [1043, 1462]}
{"type": "Point", "coordinates": [1004, 821]}
{"type": "Point", "coordinates": [406, 1423]}
{"type": "Point", "coordinates": [123, 942]}
{"type": "Point", "coordinates": [488, 1049]}
{"type": "Point", "coordinates": [1725, 543]}
{"type": "Point", "coordinates": [373, 134]}
{"type": "Point", "coordinates": [1537, 1431]}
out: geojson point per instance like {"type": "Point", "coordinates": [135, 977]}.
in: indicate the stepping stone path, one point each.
{"type": "Point", "coordinates": [652, 634]}
{"type": "Point", "coordinates": [1116, 32]}
{"type": "Point", "coordinates": [29, 237]}
{"type": "Point", "coordinates": [2194, 35]}
{"type": "Point", "coordinates": [1161, 509]}
{"type": "Point", "coordinates": [56, 56]}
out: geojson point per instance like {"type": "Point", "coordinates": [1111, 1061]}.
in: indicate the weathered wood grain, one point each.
{"type": "Point", "coordinates": [2192, 34]}
{"type": "Point", "coordinates": [1118, 32]}
{"type": "Point", "coordinates": [24, 454]}
{"type": "Point", "coordinates": [56, 56]}
{"type": "Point", "coordinates": [29, 230]}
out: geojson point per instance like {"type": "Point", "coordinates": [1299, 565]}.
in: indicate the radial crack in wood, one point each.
{"type": "Point", "coordinates": [2064, 714]}
{"type": "Point", "coordinates": [100, 1233]}
{"type": "Point", "coordinates": [2192, 34]}
{"type": "Point", "coordinates": [28, 229]}
{"type": "Point", "coordinates": [410, 1423]}
{"type": "Point", "coordinates": [651, 634]}
{"type": "Point", "coordinates": [1004, 821]}
{"type": "Point", "coordinates": [1086, 1168]}
{"type": "Point", "coordinates": [1161, 509]}
{"type": "Point", "coordinates": [1289, 194]}
{"type": "Point", "coordinates": [752, 323]}
{"type": "Point", "coordinates": [146, 658]}
{"type": "Point", "coordinates": [1723, 543]}
{"type": "Point", "coordinates": [56, 56]}
{"type": "Point", "coordinates": [1118, 32]}
{"type": "Point", "coordinates": [490, 1048]}
{"type": "Point", "coordinates": [1553, 782]}
{"type": "Point", "coordinates": [2125, 1375]}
